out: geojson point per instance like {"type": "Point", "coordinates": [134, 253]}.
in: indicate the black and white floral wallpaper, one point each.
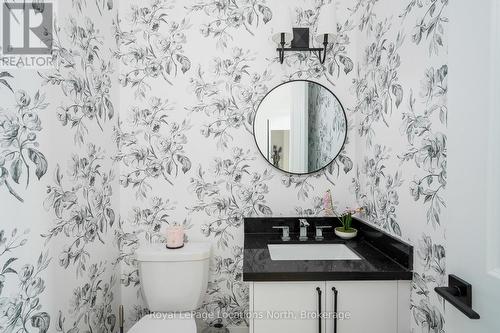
{"type": "Point", "coordinates": [327, 127]}
{"type": "Point", "coordinates": [59, 182]}
{"type": "Point", "coordinates": [400, 90]}
{"type": "Point", "coordinates": [146, 118]}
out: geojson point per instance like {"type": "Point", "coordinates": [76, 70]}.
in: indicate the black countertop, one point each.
{"type": "Point", "coordinates": [383, 257]}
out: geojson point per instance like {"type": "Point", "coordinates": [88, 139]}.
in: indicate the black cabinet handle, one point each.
{"type": "Point", "coordinates": [335, 299]}
{"type": "Point", "coordinates": [318, 289]}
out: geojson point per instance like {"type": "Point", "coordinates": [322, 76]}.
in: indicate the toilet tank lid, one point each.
{"type": "Point", "coordinates": [158, 252]}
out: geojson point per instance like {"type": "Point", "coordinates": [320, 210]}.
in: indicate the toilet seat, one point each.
{"type": "Point", "coordinates": [153, 324]}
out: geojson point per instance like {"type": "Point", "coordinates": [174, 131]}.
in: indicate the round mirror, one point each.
{"type": "Point", "coordinates": [300, 127]}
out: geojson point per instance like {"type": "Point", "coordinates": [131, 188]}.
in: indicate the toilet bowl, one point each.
{"type": "Point", "coordinates": [173, 283]}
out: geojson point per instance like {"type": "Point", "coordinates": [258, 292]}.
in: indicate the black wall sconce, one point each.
{"type": "Point", "coordinates": [298, 38]}
{"type": "Point", "coordinates": [300, 43]}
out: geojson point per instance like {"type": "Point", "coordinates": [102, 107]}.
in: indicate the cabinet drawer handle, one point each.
{"type": "Point", "coordinates": [335, 298]}
{"type": "Point", "coordinates": [318, 289]}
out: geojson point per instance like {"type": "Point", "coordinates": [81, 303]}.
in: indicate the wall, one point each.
{"type": "Point", "coordinates": [400, 85]}
{"type": "Point", "coordinates": [326, 125]}
{"type": "Point", "coordinates": [58, 188]}
{"type": "Point", "coordinates": [192, 74]}
{"type": "Point", "coordinates": [191, 84]}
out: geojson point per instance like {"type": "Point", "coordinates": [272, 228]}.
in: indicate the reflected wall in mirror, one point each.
{"type": "Point", "coordinates": [300, 127]}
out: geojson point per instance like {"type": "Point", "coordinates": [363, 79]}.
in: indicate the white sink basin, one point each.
{"type": "Point", "coordinates": [311, 252]}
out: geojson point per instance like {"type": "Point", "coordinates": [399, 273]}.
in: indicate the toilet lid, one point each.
{"type": "Point", "coordinates": [154, 324]}
{"type": "Point", "coordinates": [158, 252]}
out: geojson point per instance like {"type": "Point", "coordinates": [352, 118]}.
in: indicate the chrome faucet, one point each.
{"type": "Point", "coordinates": [303, 229]}
{"type": "Point", "coordinates": [285, 236]}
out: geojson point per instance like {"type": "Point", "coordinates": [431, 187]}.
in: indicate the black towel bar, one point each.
{"type": "Point", "coordinates": [459, 294]}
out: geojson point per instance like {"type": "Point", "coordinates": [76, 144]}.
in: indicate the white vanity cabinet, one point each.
{"type": "Point", "coordinates": [371, 306]}
{"type": "Point", "coordinates": [275, 304]}
{"type": "Point", "coordinates": [366, 306]}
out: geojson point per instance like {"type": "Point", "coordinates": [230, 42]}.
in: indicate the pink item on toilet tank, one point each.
{"type": "Point", "coordinates": [175, 237]}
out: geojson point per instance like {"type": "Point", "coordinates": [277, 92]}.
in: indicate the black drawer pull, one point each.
{"type": "Point", "coordinates": [318, 289]}
{"type": "Point", "coordinates": [335, 298]}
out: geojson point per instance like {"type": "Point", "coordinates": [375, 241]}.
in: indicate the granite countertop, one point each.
{"type": "Point", "coordinates": [382, 256]}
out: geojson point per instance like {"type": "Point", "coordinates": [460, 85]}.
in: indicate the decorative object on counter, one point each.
{"type": "Point", "coordinates": [328, 204]}
{"type": "Point", "coordinates": [346, 231]}
{"type": "Point", "coordinates": [216, 328]}
{"type": "Point", "coordinates": [175, 237]}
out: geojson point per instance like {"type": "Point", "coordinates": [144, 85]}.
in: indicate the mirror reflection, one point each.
{"type": "Point", "coordinates": [300, 127]}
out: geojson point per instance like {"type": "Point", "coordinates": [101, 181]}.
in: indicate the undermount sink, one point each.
{"type": "Point", "coordinates": [311, 252]}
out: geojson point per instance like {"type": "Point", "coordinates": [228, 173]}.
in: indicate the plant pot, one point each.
{"type": "Point", "coordinates": [351, 233]}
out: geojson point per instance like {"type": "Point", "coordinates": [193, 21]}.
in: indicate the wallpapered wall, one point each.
{"type": "Point", "coordinates": [58, 183]}
{"type": "Point", "coordinates": [400, 88]}
{"type": "Point", "coordinates": [327, 127]}
{"type": "Point", "coordinates": [108, 174]}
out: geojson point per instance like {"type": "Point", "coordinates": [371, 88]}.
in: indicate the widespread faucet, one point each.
{"type": "Point", "coordinates": [303, 229]}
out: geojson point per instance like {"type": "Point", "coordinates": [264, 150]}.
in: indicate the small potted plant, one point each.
{"type": "Point", "coordinates": [346, 231]}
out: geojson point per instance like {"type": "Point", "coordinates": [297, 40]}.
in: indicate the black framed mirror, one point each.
{"type": "Point", "coordinates": [300, 127]}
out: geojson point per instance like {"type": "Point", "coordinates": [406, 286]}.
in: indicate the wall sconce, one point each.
{"type": "Point", "coordinates": [298, 38]}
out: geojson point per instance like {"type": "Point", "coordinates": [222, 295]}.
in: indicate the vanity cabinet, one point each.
{"type": "Point", "coordinates": [277, 307]}
{"type": "Point", "coordinates": [372, 306]}
{"type": "Point", "coordinates": [362, 306]}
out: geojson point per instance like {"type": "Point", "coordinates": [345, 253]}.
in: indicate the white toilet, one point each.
{"type": "Point", "coordinates": [173, 283]}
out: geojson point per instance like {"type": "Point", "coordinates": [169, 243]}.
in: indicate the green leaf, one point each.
{"type": "Point", "coordinates": [40, 161]}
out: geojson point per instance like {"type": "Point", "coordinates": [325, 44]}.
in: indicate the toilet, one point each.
{"type": "Point", "coordinates": [173, 283]}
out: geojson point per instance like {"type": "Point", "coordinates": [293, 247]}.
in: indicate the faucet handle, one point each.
{"type": "Point", "coordinates": [285, 236]}
{"type": "Point", "coordinates": [319, 232]}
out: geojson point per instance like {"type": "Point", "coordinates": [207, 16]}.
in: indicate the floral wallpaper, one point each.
{"type": "Point", "coordinates": [187, 153]}
{"type": "Point", "coordinates": [400, 90]}
{"type": "Point", "coordinates": [145, 120]}
{"type": "Point", "coordinates": [327, 127]}
{"type": "Point", "coordinates": [20, 158]}
{"type": "Point", "coordinates": [394, 162]}
{"type": "Point", "coordinates": [59, 183]}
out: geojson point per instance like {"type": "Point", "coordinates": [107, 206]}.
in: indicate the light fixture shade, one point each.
{"type": "Point", "coordinates": [282, 20]}
{"type": "Point", "coordinates": [327, 23]}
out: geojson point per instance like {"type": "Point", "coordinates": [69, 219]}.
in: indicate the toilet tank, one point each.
{"type": "Point", "coordinates": [174, 280]}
